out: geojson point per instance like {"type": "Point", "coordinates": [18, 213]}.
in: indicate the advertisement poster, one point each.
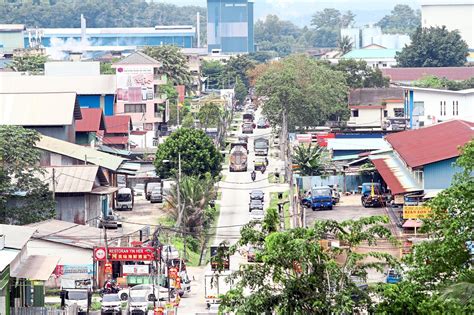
{"type": "Point", "coordinates": [135, 269]}
{"type": "Point", "coordinates": [134, 84]}
{"type": "Point", "coordinates": [74, 269]}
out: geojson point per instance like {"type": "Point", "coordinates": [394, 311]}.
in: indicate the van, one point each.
{"type": "Point", "coordinates": [124, 199]}
{"type": "Point", "coordinates": [149, 187]}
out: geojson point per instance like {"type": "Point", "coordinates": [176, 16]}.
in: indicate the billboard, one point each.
{"type": "Point", "coordinates": [135, 84]}
{"type": "Point", "coordinates": [126, 253]}
{"type": "Point", "coordinates": [74, 269]}
{"type": "Point", "coordinates": [416, 212]}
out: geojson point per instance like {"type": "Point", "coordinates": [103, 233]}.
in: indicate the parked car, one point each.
{"type": "Point", "coordinates": [169, 252]}
{"type": "Point", "coordinates": [139, 189]}
{"type": "Point", "coordinates": [156, 195]}
{"type": "Point", "coordinates": [257, 195]}
{"type": "Point", "coordinates": [111, 304]}
{"type": "Point", "coordinates": [138, 305]}
{"type": "Point", "coordinates": [111, 221]}
{"type": "Point", "coordinates": [255, 205]}
{"type": "Point", "coordinates": [257, 215]}
{"type": "Point", "coordinates": [393, 276]}
{"type": "Point", "coordinates": [141, 290]}
{"type": "Point", "coordinates": [247, 128]}
{"type": "Point", "coordinates": [149, 187]}
{"type": "Point", "coordinates": [262, 123]}
{"type": "Point", "coordinates": [124, 199]}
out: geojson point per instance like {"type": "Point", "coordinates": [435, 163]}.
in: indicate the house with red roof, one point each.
{"type": "Point", "coordinates": [422, 159]}
{"type": "Point", "coordinates": [406, 76]}
{"type": "Point", "coordinates": [92, 122]}
{"type": "Point", "coordinates": [117, 132]}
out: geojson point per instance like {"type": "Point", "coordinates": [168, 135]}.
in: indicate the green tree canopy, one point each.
{"type": "Point", "coordinates": [434, 47]}
{"type": "Point", "coordinates": [175, 63]}
{"type": "Point", "coordinates": [402, 20]}
{"type": "Point", "coordinates": [198, 154]}
{"type": "Point", "coordinates": [32, 63]}
{"type": "Point", "coordinates": [311, 93]}
{"type": "Point", "coordinates": [327, 26]}
{"type": "Point", "coordinates": [311, 160]}
{"type": "Point", "coordinates": [213, 70]}
{"type": "Point", "coordinates": [210, 115]}
{"type": "Point", "coordinates": [240, 91]}
{"type": "Point", "coordinates": [443, 83]}
{"type": "Point", "coordinates": [24, 197]}
{"type": "Point", "coordinates": [359, 75]}
{"type": "Point", "coordinates": [237, 67]}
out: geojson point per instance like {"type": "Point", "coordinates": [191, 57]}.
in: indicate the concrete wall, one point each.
{"type": "Point", "coordinates": [457, 15]}
{"type": "Point", "coordinates": [367, 117]}
{"type": "Point", "coordinates": [65, 133]}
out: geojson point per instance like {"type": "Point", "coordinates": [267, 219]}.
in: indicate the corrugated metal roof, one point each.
{"type": "Point", "coordinates": [414, 74]}
{"type": "Point", "coordinates": [74, 179]}
{"type": "Point", "coordinates": [12, 27]}
{"type": "Point", "coordinates": [115, 151]}
{"type": "Point", "coordinates": [433, 143]}
{"type": "Point", "coordinates": [92, 120]}
{"type": "Point", "coordinates": [394, 173]}
{"type": "Point", "coordinates": [38, 109]}
{"type": "Point", "coordinates": [81, 153]}
{"type": "Point", "coordinates": [16, 236]}
{"type": "Point", "coordinates": [138, 58]}
{"type": "Point", "coordinates": [35, 267]}
{"type": "Point", "coordinates": [374, 96]}
{"type": "Point", "coordinates": [7, 256]}
{"type": "Point", "coordinates": [118, 124]}
{"type": "Point", "coordinates": [115, 140]}
{"type": "Point", "coordinates": [337, 144]}
{"type": "Point", "coordinates": [152, 31]}
{"type": "Point", "coordinates": [82, 85]}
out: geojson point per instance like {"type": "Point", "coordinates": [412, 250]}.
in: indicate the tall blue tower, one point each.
{"type": "Point", "coordinates": [230, 26]}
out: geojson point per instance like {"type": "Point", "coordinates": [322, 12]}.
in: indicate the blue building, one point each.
{"type": "Point", "coordinates": [230, 26]}
{"type": "Point", "coordinates": [181, 36]}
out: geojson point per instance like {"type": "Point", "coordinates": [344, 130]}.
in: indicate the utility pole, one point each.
{"type": "Point", "coordinates": [54, 184]}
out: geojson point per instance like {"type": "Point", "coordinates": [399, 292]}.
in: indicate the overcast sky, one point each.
{"type": "Point", "coordinates": [300, 11]}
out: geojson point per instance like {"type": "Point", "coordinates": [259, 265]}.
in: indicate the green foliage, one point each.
{"type": "Point", "coordinates": [240, 91]}
{"type": "Point", "coordinates": [198, 154]}
{"type": "Point", "coordinates": [443, 83]}
{"type": "Point", "coordinates": [24, 198]}
{"type": "Point", "coordinates": [311, 160]}
{"type": "Point", "coordinates": [359, 75]}
{"type": "Point", "coordinates": [300, 276]}
{"type": "Point", "coordinates": [262, 56]}
{"type": "Point", "coordinates": [311, 93]}
{"type": "Point", "coordinates": [106, 67]}
{"type": "Point", "coordinates": [213, 70]}
{"type": "Point", "coordinates": [328, 24]}
{"type": "Point", "coordinates": [434, 47]}
{"type": "Point", "coordinates": [32, 63]}
{"type": "Point", "coordinates": [236, 68]}
{"type": "Point", "coordinates": [174, 63]}
{"type": "Point", "coordinates": [209, 115]}
{"type": "Point", "coordinates": [402, 20]}
{"type": "Point", "coordinates": [188, 121]}
{"type": "Point", "coordinates": [344, 45]}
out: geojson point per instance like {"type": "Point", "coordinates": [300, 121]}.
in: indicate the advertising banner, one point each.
{"type": "Point", "coordinates": [134, 84]}
{"type": "Point", "coordinates": [416, 212]}
{"type": "Point", "coordinates": [181, 93]}
{"type": "Point", "coordinates": [135, 269]}
{"type": "Point", "coordinates": [126, 254]}
{"type": "Point", "coordinates": [74, 269]}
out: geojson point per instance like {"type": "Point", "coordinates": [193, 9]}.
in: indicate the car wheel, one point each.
{"type": "Point", "coordinates": [330, 208]}
{"type": "Point", "coordinates": [314, 209]}
{"type": "Point", "coordinates": [124, 296]}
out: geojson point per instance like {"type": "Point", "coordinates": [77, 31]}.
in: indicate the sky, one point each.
{"type": "Point", "coordinates": [300, 11]}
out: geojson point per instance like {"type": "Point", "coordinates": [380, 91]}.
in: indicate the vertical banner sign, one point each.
{"type": "Point", "coordinates": [181, 91]}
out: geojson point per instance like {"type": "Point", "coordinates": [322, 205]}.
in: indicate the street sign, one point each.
{"type": "Point", "coordinates": [127, 253]}
{"type": "Point", "coordinates": [416, 212]}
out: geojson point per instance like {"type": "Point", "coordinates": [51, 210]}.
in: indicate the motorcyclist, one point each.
{"type": "Point", "coordinates": [253, 175]}
{"type": "Point", "coordinates": [263, 169]}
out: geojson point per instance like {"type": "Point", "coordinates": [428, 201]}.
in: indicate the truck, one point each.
{"type": "Point", "coordinates": [238, 157]}
{"type": "Point", "coordinates": [261, 146]}
{"type": "Point", "coordinates": [372, 195]}
{"type": "Point", "coordinates": [321, 198]}
{"type": "Point", "coordinates": [124, 199]}
{"type": "Point", "coordinates": [216, 284]}
{"type": "Point", "coordinates": [76, 293]}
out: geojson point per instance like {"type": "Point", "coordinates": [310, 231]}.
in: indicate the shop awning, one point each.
{"type": "Point", "coordinates": [104, 190]}
{"type": "Point", "coordinates": [410, 223]}
{"type": "Point", "coordinates": [35, 267]}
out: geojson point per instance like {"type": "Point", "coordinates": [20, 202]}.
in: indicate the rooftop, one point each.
{"type": "Point", "coordinates": [16, 236]}
{"type": "Point", "coordinates": [415, 74]}
{"type": "Point", "coordinates": [357, 144]}
{"type": "Point", "coordinates": [375, 96]}
{"type": "Point", "coordinates": [92, 120]}
{"type": "Point", "coordinates": [12, 27]}
{"type": "Point", "coordinates": [433, 143]}
{"type": "Point", "coordinates": [31, 109]}
{"type": "Point", "coordinates": [371, 54]}
{"type": "Point", "coordinates": [118, 124]}
{"type": "Point", "coordinates": [170, 30]}
{"type": "Point", "coordinates": [75, 179]}
{"type": "Point", "coordinates": [138, 58]}
{"type": "Point", "coordinates": [414, 88]}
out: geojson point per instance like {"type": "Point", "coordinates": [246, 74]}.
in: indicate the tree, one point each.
{"type": "Point", "coordinates": [240, 91]}
{"type": "Point", "coordinates": [175, 63]}
{"type": "Point", "coordinates": [443, 83]}
{"type": "Point", "coordinates": [275, 35]}
{"type": "Point", "coordinates": [328, 24]}
{"type": "Point", "coordinates": [344, 45]}
{"type": "Point", "coordinates": [188, 121]}
{"type": "Point", "coordinates": [434, 47]}
{"type": "Point", "coordinates": [402, 20]}
{"type": "Point", "coordinates": [311, 160]}
{"type": "Point", "coordinates": [359, 75]}
{"type": "Point", "coordinates": [310, 93]}
{"type": "Point", "coordinates": [24, 197]}
{"type": "Point", "coordinates": [198, 154]}
{"type": "Point", "coordinates": [213, 71]}
{"type": "Point", "coordinates": [237, 67]}
{"type": "Point", "coordinates": [210, 115]}
{"type": "Point", "coordinates": [262, 56]}
{"type": "Point", "coordinates": [300, 274]}
{"type": "Point", "coordinates": [29, 62]}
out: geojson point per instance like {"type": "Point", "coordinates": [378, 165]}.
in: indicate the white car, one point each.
{"type": "Point", "coordinates": [145, 290]}
{"type": "Point", "coordinates": [256, 215]}
{"type": "Point", "coordinates": [111, 304]}
{"type": "Point", "coordinates": [169, 252]}
{"type": "Point", "coordinates": [139, 190]}
{"type": "Point", "coordinates": [138, 305]}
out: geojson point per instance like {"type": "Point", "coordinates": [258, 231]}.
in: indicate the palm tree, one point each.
{"type": "Point", "coordinates": [463, 292]}
{"type": "Point", "coordinates": [311, 160]}
{"type": "Point", "coordinates": [344, 45]}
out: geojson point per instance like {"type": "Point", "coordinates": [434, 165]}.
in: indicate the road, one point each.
{"type": "Point", "coordinates": [234, 213]}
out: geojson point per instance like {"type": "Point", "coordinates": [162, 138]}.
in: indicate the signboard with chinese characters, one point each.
{"type": "Point", "coordinates": [74, 269]}
{"type": "Point", "coordinates": [416, 212]}
{"type": "Point", "coordinates": [127, 253]}
{"type": "Point", "coordinates": [134, 83]}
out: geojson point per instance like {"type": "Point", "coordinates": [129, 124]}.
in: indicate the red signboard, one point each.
{"type": "Point", "coordinates": [181, 89]}
{"type": "Point", "coordinates": [127, 253]}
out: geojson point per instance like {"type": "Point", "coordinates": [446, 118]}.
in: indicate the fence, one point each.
{"type": "Point", "coordinates": [39, 311]}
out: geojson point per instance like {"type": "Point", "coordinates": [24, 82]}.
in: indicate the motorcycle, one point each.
{"type": "Point", "coordinates": [253, 175]}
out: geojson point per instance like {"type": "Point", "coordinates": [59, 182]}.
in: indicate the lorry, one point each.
{"type": "Point", "coordinates": [260, 146]}
{"type": "Point", "coordinates": [372, 195]}
{"type": "Point", "coordinates": [76, 293]}
{"type": "Point", "coordinates": [216, 284]}
{"type": "Point", "coordinates": [124, 199]}
{"type": "Point", "coordinates": [238, 157]}
{"type": "Point", "coordinates": [321, 198]}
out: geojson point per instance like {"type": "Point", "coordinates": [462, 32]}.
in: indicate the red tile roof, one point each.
{"type": "Point", "coordinates": [389, 178]}
{"type": "Point", "coordinates": [414, 74]}
{"type": "Point", "coordinates": [433, 143]}
{"type": "Point", "coordinates": [118, 124]}
{"type": "Point", "coordinates": [92, 120]}
{"type": "Point", "coordinates": [115, 140]}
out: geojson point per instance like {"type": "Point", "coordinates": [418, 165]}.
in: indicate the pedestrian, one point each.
{"type": "Point", "coordinates": [266, 161]}
{"type": "Point", "coordinates": [263, 168]}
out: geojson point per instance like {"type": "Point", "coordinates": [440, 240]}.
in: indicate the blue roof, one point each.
{"type": "Point", "coordinates": [370, 53]}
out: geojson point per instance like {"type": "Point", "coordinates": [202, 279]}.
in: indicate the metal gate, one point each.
{"type": "Point", "coordinates": [37, 311]}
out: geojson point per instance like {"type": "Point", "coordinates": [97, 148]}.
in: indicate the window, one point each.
{"type": "Point", "coordinates": [399, 112]}
{"type": "Point", "coordinates": [135, 108]}
{"type": "Point", "coordinates": [385, 113]}
{"type": "Point", "coordinates": [444, 108]}
{"type": "Point", "coordinates": [457, 108]}
{"type": "Point", "coordinates": [418, 174]}
{"type": "Point", "coordinates": [355, 113]}
{"type": "Point", "coordinates": [454, 109]}
{"type": "Point", "coordinates": [441, 108]}
{"type": "Point", "coordinates": [384, 65]}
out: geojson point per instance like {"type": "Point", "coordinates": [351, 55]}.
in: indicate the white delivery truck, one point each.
{"type": "Point", "coordinates": [124, 199]}
{"type": "Point", "coordinates": [216, 284]}
{"type": "Point", "coordinates": [76, 294]}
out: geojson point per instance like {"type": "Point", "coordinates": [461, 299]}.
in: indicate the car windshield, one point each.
{"type": "Point", "coordinates": [257, 193]}
{"type": "Point", "coordinates": [321, 192]}
{"type": "Point", "coordinates": [256, 202]}
{"type": "Point", "coordinates": [76, 295]}
{"type": "Point", "coordinates": [124, 197]}
{"type": "Point", "coordinates": [138, 299]}
{"type": "Point", "coordinates": [139, 287]}
{"type": "Point", "coordinates": [257, 212]}
{"type": "Point", "coordinates": [110, 298]}
{"type": "Point", "coordinates": [261, 144]}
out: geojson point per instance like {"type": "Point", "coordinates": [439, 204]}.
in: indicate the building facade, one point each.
{"type": "Point", "coordinates": [11, 38]}
{"type": "Point", "coordinates": [230, 26]}
{"type": "Point", "coordinates": [376, 56]}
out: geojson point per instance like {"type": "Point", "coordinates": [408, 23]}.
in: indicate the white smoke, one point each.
{"type": "Point", "coordinates": [59, 48]}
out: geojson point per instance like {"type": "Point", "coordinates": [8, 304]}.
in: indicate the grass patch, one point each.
{"type": "Point", "coordinates": [286, 207]}
{"type": "Point", "coordinates": [166, 221]}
